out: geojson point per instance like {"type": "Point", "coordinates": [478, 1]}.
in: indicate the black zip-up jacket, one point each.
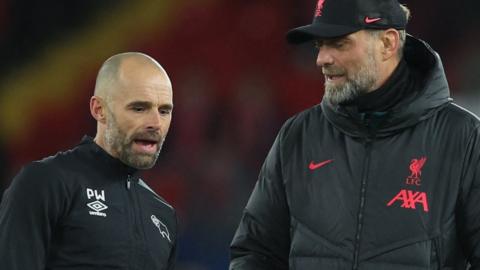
{"type": "Point", "coordinates": [344, 190]}
{"type": "Point", "coordinates": [84, 209]}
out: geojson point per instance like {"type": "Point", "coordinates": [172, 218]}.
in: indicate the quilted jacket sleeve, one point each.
{"type": "Point", "coordinates": [262, 239]}
{"type": "Point", "coordinates": [469, 211]}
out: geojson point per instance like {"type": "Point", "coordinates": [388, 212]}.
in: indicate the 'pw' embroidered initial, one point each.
{"type": "Point", "coordinates": [410, 198]}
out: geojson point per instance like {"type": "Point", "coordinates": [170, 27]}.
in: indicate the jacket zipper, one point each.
{"type": "Point", "coordinates": [129, 222]}
{"type": "Point", "coordinates": [366, 165]}
{"type": "Point", "coordinates": [133, 224]}
{"type": "Point", "coordinates": [370, 123]}
{"type": "Point", "coordinates": [140, 231]}
{"type": "Point", "coordinates": [137, 230]}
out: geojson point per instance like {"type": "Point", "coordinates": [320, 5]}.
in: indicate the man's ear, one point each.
{"type": "Point", "coordinates": [98, 109]}
{"type": "Point", "coordinates": [390, 43]}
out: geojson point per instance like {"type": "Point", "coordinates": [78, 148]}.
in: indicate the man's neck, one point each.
{"type": "Point", "coordinates": [100, 141]}
{"type": "Point", "coordinates": [395, 88]}
{"type": "Point", "coordinates": [385, 71]}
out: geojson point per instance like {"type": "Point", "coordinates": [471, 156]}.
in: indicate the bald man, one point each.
{"type": "Point", "coordinates": [86, 208]}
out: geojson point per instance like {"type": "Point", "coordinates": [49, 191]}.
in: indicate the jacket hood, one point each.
{"type": "Point", "coordinates": [431, 95]}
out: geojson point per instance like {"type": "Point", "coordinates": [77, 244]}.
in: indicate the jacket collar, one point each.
{"type": "Point", "coordinates": [103, 160]}
{"type": "Point", "coordinates": [432, 93]}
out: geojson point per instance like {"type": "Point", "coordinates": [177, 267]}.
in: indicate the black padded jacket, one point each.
{"type": "Point", "coordinates": [341, 190]}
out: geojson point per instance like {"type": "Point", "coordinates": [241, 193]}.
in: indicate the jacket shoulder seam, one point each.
{"type": "Point", "coordinates": [156, 196]}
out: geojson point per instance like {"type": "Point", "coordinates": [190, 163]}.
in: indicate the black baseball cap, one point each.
{"type": "Point", "coordinates": [335, 18]}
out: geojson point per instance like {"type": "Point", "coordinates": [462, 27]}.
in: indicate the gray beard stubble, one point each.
{"type": "Point", "coordinates": [355, 85]}
{"type": "Point", "coordinates": [118, 141]}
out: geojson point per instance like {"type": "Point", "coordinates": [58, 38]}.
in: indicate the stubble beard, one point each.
{"type": "Point", "coordinates": [119, 143]}
{"type": "Point", "coordinates": [355, 85]}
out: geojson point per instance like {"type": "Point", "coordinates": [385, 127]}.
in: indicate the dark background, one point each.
{"type": "Point", "coordinates": [235, 82]}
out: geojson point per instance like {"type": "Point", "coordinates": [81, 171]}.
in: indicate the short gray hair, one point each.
{"type": "Point", "coordinates": [376, 33]}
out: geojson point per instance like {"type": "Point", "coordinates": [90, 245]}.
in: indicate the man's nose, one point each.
{"type": "Point", "coordinates": [324, 57]}
{"type": "Point", "coordinates": [154, 120]}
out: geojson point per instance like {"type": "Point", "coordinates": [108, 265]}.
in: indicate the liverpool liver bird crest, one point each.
{"type": "Point", "coordinates": [416, 167]}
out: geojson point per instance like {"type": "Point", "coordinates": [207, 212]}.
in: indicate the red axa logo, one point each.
{"type": "Point", "coordinates": [416, 166]}
{"type": "Point", "coordinates": [318, 10]}
{"type": "Point", "coordinates": [410, 199]}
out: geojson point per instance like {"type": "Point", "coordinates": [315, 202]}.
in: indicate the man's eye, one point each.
{"type": "Point", "coordinates": [165, 112]}
{"type": "Point", "coordinates": [318, 44]}
{"type": "Point", "coordinates": [338, 44]}
{"type": "Point", "coordinates": [138, 109]}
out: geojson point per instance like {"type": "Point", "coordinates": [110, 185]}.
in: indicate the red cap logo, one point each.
{"type": "Point", "coordinates": [318, 10]}
{"type": "Point", "coordinates": [369, 20]}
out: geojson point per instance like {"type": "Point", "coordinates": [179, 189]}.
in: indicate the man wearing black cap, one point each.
{"type": "Point", "coordinates": [384, 173]}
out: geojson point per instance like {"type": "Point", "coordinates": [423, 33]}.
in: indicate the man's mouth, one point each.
{"type": "Point", "coordinates": [148, 146]}
{"type": "Point", "coordinates": [333, 77]}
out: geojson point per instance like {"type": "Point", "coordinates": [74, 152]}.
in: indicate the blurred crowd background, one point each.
{"type": "Point", "coordinates": [235, 81]}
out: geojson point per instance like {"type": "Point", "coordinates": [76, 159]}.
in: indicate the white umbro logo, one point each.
{"type": "Point", "coordinates": [97, 206]}
{"type": "Point", "coordinates": [161, 227]}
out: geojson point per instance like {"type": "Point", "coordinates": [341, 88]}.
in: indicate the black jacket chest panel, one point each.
{"type": "Point", "coordinates": [108, 220]}
{"type": "Point", "coordinates": [411, 181]}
